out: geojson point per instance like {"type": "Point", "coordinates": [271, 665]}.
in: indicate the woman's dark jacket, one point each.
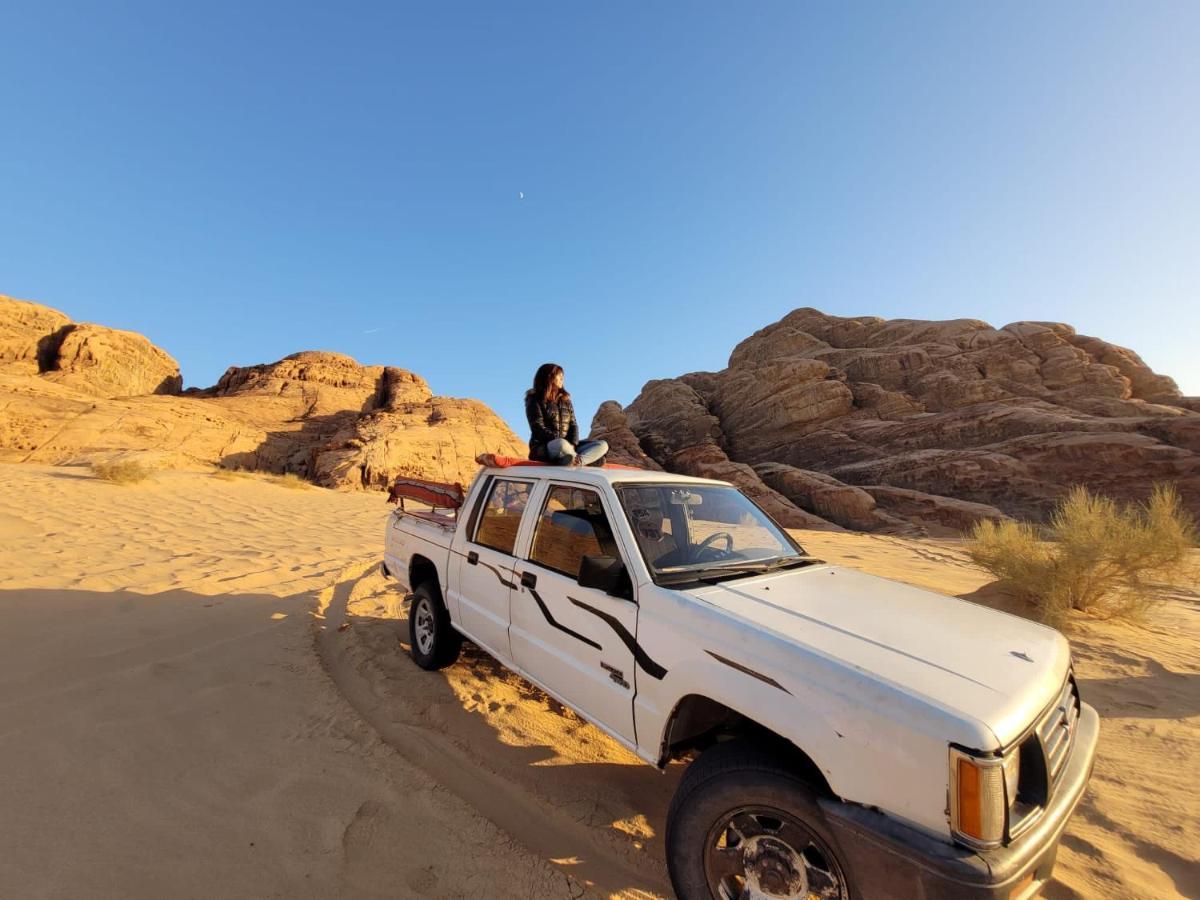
{"type": "Point", "coordinates": [548, 421]}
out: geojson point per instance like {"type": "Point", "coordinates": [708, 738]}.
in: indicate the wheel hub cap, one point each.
{"type": "Point", "coordinates": [773, 869]}
{"type": "Point", "coordinates": [423, 626]}
{"type": "Point", "coordinates": [762, 853]}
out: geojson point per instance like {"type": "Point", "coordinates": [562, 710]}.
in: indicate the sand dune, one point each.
{"type": "Point", "coordinates": [204, 692]}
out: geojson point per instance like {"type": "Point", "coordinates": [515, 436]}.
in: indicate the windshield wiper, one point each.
{"type": "Point", "coordinates": [713, 574]}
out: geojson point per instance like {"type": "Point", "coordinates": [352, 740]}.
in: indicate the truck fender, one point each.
{"type": "Point", "coordinates": [714, 697]}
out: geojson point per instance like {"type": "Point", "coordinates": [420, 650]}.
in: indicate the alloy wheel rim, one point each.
{"type": "Point", "coordinates": [423, 626]}
{"type": "Point", "coordinates": [760, 853]}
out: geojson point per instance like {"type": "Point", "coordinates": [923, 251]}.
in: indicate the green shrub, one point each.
{"type": "Point", "coordinates": [119, 471]}
{"type": "Point", "coordinates": [1095, 555]}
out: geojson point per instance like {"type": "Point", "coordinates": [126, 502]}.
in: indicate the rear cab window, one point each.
{"type": "Point", "coordinates": [500, 518]}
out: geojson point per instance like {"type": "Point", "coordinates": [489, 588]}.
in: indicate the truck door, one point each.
{"type": "Point", "coordinates": [577, 642]}
{"type": "Point", "coordinates": [485, 568]}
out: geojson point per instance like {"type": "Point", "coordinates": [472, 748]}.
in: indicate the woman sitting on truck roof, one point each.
{"type": "Point", "coordinates": [555, 433]}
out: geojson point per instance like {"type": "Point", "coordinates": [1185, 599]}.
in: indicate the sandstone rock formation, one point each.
{"type": "Point", "coordinates": [686, 439]}
{"type": "Point", "coordinates": [829, 498]}
{"type": "Point", "coordinates": [110, 363]}
{"type": "Point", "coordinates": [90, 359]}
{"type": "Point", "coordinates": [72, 392]}
{"type": "Point", "coordinates": [24, 329]}
{"type": "Point", "coordinates": [610, 424]}
{"type": "Point", "coordinates": [883, 425]}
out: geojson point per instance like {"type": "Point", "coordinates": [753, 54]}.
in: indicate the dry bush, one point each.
{"type": "Point", "coordinates": [288, 480]}
{"type": "Point", "coordinates": [1095, 555]}
{"type": "Point", "coordinates": [122, 471]}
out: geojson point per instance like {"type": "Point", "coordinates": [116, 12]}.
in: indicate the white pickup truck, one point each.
{"type": "Point", "coordinates": [856, 737]}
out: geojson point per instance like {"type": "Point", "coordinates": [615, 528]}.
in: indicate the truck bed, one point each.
{"type": "Point", "coordinates": [421, 532]}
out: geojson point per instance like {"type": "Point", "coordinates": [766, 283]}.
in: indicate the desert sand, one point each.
{"type": "Point", "coordinates": [204, 692]}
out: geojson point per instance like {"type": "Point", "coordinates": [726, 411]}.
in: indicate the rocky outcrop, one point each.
{"type": "Point", "coordinates": [709, 461]}
{"type": "Point", "coordinates": [873, 423]}
{"type": "Point", "coordinates": [72, 393]}
{"type": "Point", "coordinates": [91, 359]}
{"type": "Point", "coordinates": [848, 506]}
{"type": "Point", "coordinates": [875, 507]}
{"type": "Point", "coordinates": [676, 430]}
{"type": "Point", "coordinates": [110, 363]}
{"type": "Point", "coordinates": [955, 516]}
{"type": "Point", "coordinates": [610, 424]}
{"type": "Point", "coordinates": [327, 382]}
{"type": "Point", "coordinates": [41, 421]}
{"type": "Point", "coordinates": [25, 331]}
{"type": "Point", "coordinates": [437, 439]}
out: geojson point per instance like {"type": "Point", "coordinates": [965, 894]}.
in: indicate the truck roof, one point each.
{"type": "Point", "coordinates": [596, 476]}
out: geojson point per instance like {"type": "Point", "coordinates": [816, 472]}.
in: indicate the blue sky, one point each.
{"type": "Point", "coordinates": [239, 181]}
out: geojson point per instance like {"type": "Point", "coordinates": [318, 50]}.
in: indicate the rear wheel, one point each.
{"type": "Point", "coordinates": [433, 642]}
{"type": "Point", "coordinates": [742, 825]}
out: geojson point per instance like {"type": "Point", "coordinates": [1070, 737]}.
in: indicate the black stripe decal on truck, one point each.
{"type": "Point", "coordinates": [563, 628]}
{"type": "Point", "coordinates": [649, 666]}
{"type": "Point", "coordinates": [479, 562]}
{"type": "Point", "coordinates": [504, 581]}
{"type": "Point", "coordinates": [766, 679]}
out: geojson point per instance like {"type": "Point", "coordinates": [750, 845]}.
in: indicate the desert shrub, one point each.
{"type": "Point", "coordinates": [1097, 555]}
{"type": "Point", "coordinates": [122, 471]}
{"type": "Point", "coordinates": [288, 480]}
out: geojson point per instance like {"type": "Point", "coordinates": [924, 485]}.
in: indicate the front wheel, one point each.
{"type": "Point", "coordinates": [743, 825]}
{"type": "Point", "coordinates": [433, 642]}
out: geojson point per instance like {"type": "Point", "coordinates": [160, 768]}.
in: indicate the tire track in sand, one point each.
{"type": "Point", "coordinates": [549, 832]}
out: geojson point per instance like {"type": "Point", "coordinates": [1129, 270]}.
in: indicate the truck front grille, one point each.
{"type": "Point", "coordinates": [1056, 731]}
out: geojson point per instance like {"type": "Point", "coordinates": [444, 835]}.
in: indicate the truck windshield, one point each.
{"type": "Point", "coordinates": [691, 532]}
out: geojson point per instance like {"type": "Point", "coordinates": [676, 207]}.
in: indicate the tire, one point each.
{"type": "Point", "coordinates": [433, 642]}
{"type": "Point", "coordinates": [740, 816]}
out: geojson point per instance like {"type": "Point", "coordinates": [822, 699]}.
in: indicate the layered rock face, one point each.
{"type": "Point", "coordinates": [915, 425]}
{"type": "Point", "coordinates": [72, 392]}
{"type": "Point", "coordinates": [25, 329]}
{"type": "Point", "coordinates": [91, 359]}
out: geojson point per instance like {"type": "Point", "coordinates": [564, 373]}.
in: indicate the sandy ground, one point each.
{"type": "Point", "coordinates": [203, 692]}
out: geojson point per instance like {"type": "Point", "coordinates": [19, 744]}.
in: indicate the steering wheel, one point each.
{"type": "Point", "coordinates": [707, 543]}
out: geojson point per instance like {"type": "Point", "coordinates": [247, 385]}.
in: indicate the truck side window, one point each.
{"type": "Point", "coordinates": [572, 525]}
{"type": "Point", "coordinates": [502, 515]}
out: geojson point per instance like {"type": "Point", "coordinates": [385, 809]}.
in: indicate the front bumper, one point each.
{"type": "Point", "coordinates": [888, 859]}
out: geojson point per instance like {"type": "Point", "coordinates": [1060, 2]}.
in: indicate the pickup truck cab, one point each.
{"type": "Point", "coordinates": [856, 737]}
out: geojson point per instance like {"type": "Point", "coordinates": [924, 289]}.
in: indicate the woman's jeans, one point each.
{"type": "Point", "coordinates": [560, 452]}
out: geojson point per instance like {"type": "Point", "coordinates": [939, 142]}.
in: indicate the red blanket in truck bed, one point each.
{"type": "Point", "coordinates": [437, 494]}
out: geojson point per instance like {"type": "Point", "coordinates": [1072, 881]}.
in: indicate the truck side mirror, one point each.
{"type": "Point", "coordinates": [605, 573]}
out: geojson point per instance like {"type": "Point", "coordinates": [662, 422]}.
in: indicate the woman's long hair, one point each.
{"type": "Point", "coordinates": [543, 383]}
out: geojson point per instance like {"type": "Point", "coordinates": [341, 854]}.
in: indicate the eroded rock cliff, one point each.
{"type": "Point", "coordinates": [908, 424]}
{"type": "Point", "coordinates": [73, 392]}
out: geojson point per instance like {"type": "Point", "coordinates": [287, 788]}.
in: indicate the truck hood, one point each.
{"type": "Point", "coordinates": [989, 666]}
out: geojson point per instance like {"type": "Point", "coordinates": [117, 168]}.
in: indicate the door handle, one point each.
{"type": "Point", "coordinates": [472, 558]}
{"type": "Point", "coordinates": [528, 579]}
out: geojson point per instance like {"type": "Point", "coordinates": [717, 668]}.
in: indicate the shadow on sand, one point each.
{"type": "Point", "coordinates": [564, 811]}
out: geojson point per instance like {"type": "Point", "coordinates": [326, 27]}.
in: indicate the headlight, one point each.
{"type": "Point", "coordinates": [982, 788]}
{"type": "Point", "coordinates": [1012, 775]}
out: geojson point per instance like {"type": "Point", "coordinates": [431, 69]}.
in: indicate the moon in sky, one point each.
{"type": "Point", "coordinates": [520, 195]}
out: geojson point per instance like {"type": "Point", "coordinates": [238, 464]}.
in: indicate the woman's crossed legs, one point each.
{"type": "Point", "coordinates": [560, 452]}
